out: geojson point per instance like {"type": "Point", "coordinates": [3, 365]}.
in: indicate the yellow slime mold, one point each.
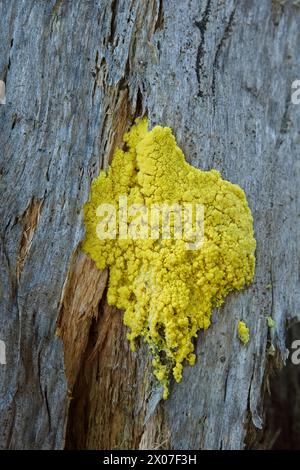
{"type": "Point", "coordinates": [243, 332]}
{"type": "Point", "coordinates": [166, 290]}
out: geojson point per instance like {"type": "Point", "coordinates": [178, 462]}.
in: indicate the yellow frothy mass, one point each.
{"type": "Point", "coordinates": [168, 292]}
{"type": "Point", "coordinates": [243, 332]}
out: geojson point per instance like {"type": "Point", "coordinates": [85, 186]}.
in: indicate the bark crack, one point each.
{"type": "Point", "coordinates": [159, 25]}
{"type": "Point", "coordinates": [202, 26]}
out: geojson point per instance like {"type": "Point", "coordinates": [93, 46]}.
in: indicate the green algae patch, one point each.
{"type": "Point", "coordinates": [166, 287]}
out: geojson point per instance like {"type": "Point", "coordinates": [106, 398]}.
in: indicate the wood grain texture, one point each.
{"type": "Point", "coordinates": [77, 73]}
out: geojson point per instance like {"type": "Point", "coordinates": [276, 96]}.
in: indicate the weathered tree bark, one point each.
{"type": "Point", "coordinates": [77, 73]}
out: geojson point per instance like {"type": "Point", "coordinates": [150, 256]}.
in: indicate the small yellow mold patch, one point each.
{"type": "Point", "coordinates": [243, 332]}
{"type": "Point", "coordinates": [271, 350]}
{"type": "Point", "coordinates": [167, 291]}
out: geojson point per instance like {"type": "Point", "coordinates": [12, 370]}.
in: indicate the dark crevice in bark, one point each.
{"type": "Point", "coordinates": [202, 26]}
{"type": "Point", "coordinates": [114, 7]}
{"type": "Point", "coordinates": [159, 25]}
{"type": "Point", "coordinates": [77, 425]}
{"type": "Point", "coordinates": [280, 399]}
{"type": "Point", "coordinates": [282, 403]}
{"type": "Point", "coordinates": [277, 11]}
{"type": "Point", "coordinates": [95, 73]}
{"type": "Point", "coordinates": [139, 103]}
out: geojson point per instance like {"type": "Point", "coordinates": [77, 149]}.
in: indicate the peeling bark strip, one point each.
{"type": "Point", "coordinates": [76, 75]}
{"type": "Point", "coordinates": [82, 293]}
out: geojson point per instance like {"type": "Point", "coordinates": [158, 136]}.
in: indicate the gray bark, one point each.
{"type": "Point", "coordinates": [77, 73]}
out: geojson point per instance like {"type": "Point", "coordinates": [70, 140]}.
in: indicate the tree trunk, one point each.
{"type": "Point", "coordinates": [77, 74]}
